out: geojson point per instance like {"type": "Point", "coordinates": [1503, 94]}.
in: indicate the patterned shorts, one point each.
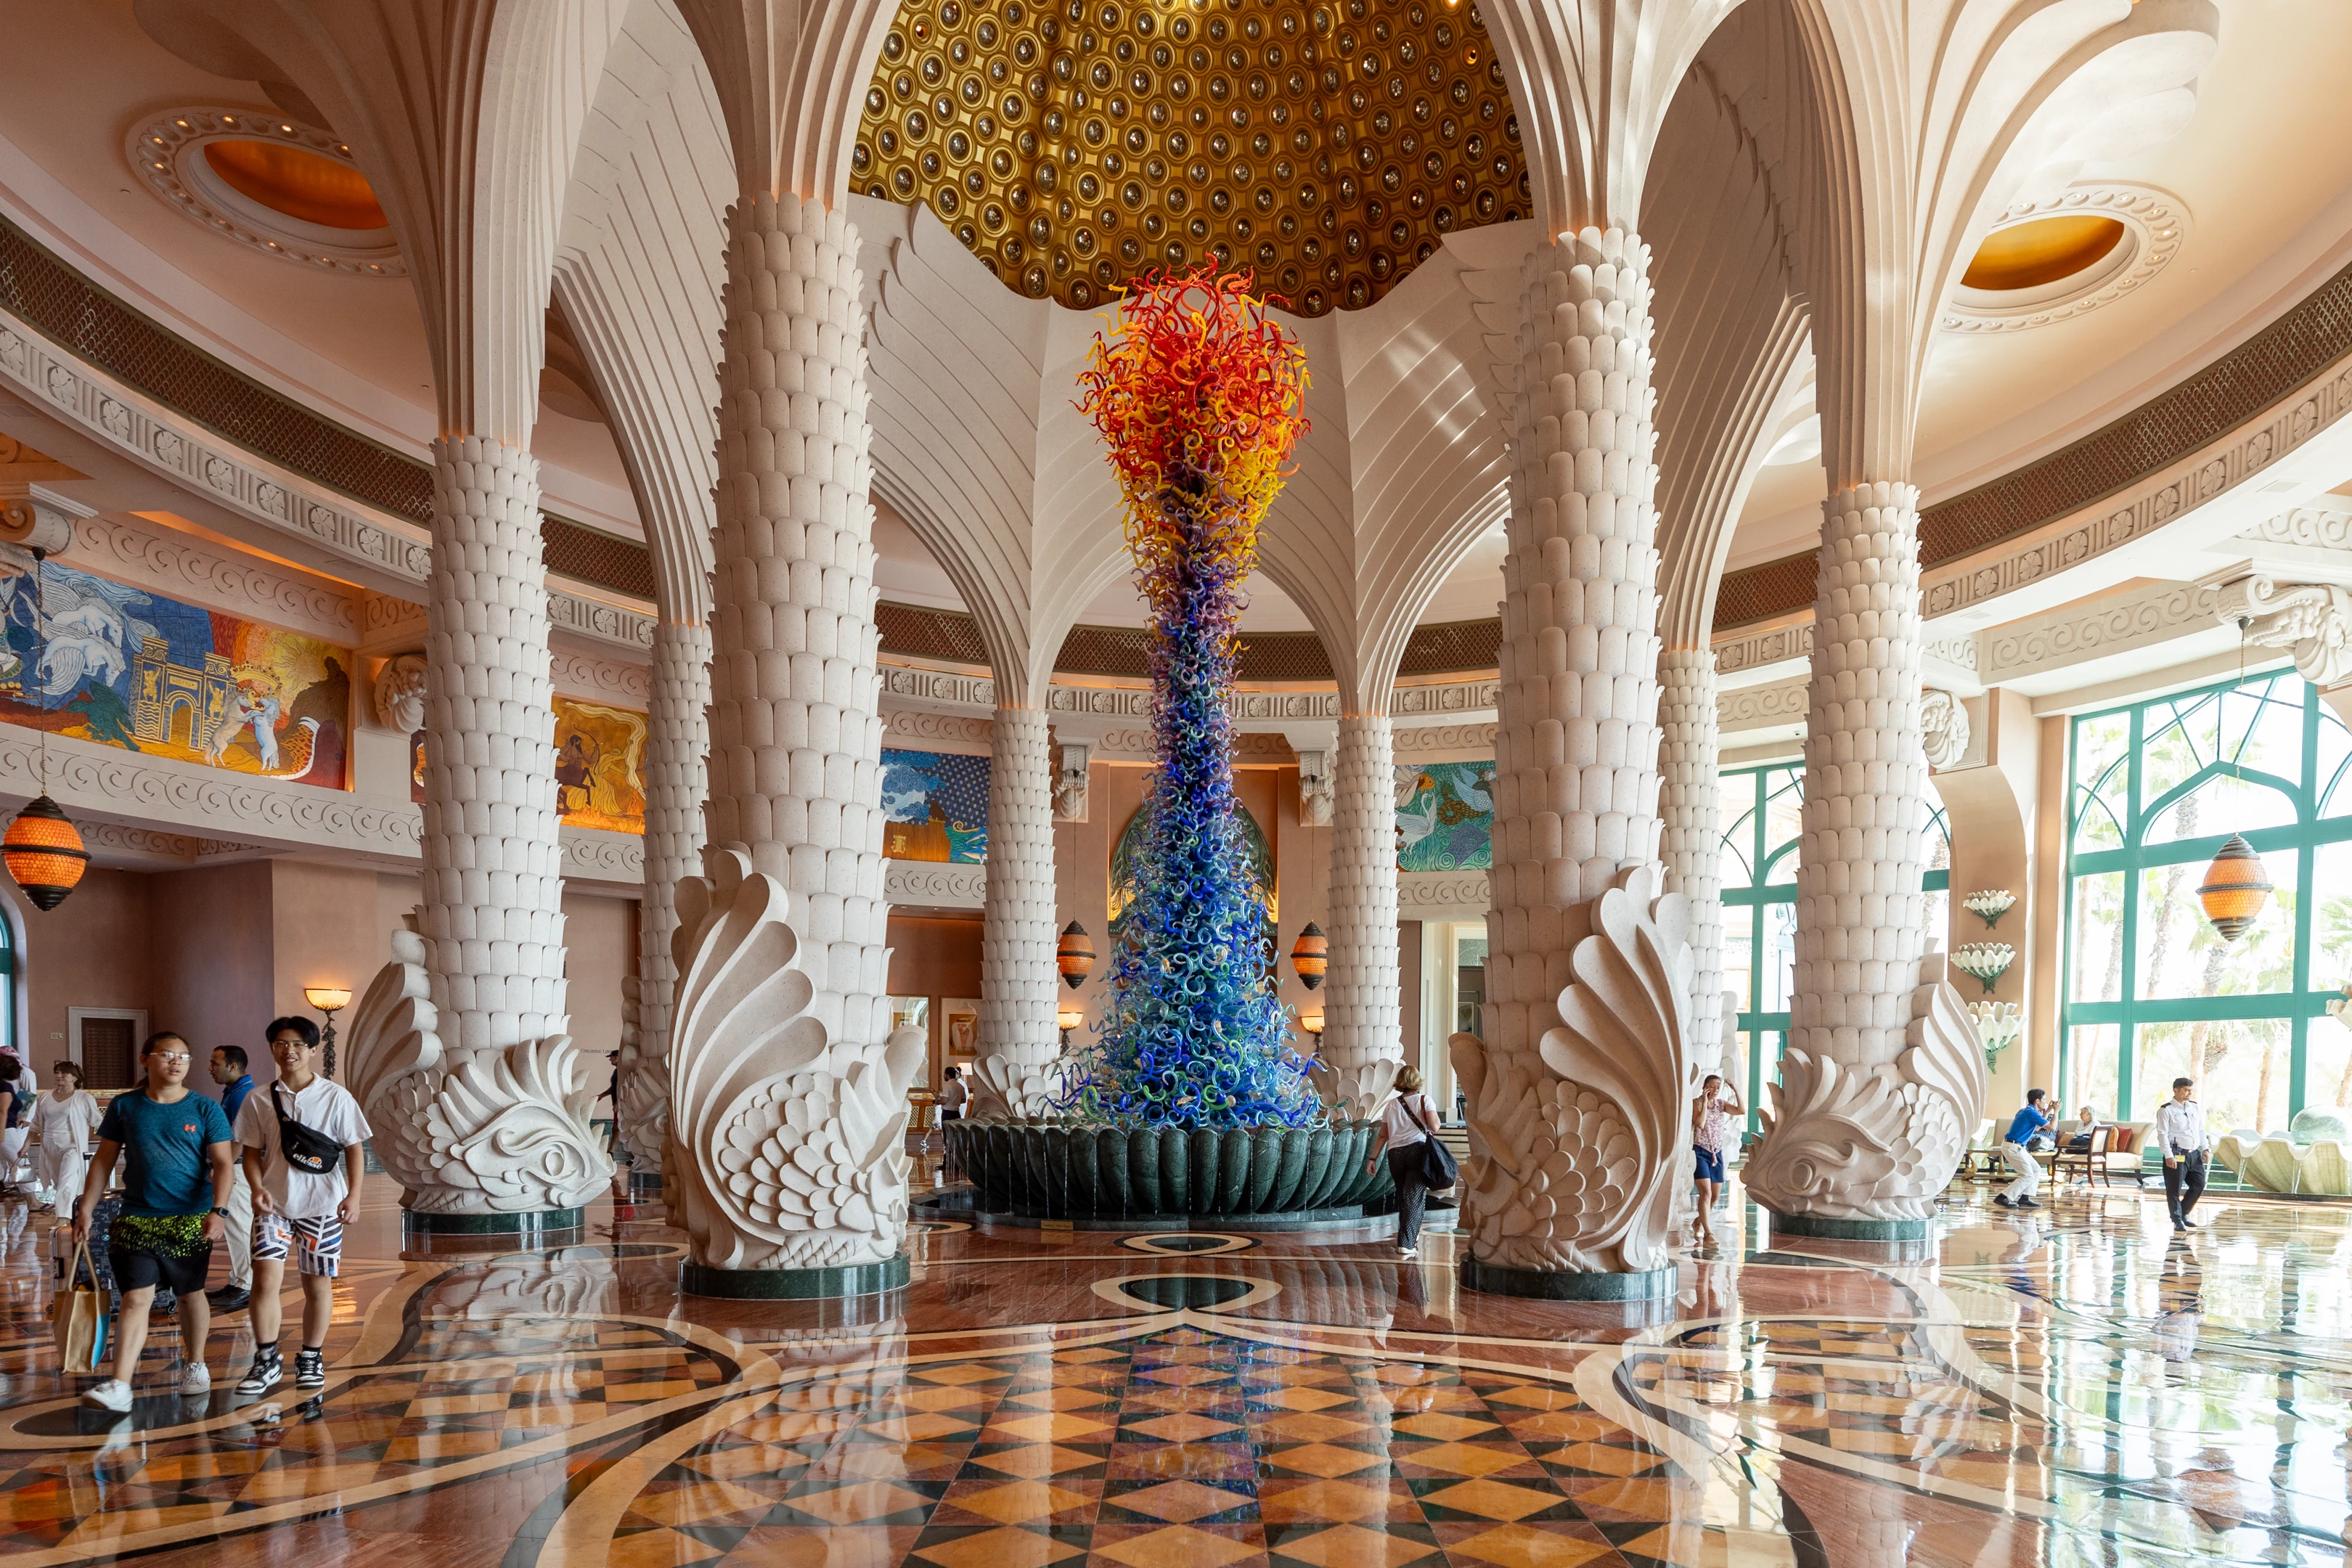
{"type": "Point", "coordinates": [148, 1251]}
{"type": "Point", "coordinates": [320, 1242]}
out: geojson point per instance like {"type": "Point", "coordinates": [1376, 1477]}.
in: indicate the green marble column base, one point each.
{"type": "Point", "coordinates": [644, 1181]}
{"type": "Point", "coordinates": [794, 1284]}
{"type": "Point", "coordinates": [1832, 1227]}
{"type": "Point", "coordinates": [1544, 1285]}
{"type": "Point", "coordinates": [533, 1222]}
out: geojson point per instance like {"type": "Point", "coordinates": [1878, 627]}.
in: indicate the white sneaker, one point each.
{"type": "Point", "coordinates": [112, 1394]}
{"type": "Point", "coordinates": [1405, 1252]}
{"type": "Point", "coordinates": [197, 1378]}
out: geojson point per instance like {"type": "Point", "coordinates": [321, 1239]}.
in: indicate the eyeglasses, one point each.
{"type": "Point", "coordinates": [168, 1058]}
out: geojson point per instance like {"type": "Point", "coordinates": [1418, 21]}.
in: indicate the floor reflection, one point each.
{"type": "Point", "coordinates": [2074, 1386]}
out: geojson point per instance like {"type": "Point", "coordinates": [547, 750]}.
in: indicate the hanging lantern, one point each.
{"type": "Point", "coordinates": [2235, 888]}
{"type": "Point", "coordinates": [1075, 957]}
{"type": "Point", "coordinates": [1311, 955]}
{"type": "Point", "coordinates": [44, 853]}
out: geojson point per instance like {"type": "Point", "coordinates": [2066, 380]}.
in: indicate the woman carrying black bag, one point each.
{"type": "Point", "coordinates": [1408, 1135]}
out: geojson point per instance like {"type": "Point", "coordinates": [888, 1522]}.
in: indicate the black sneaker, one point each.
{"type": "Point", "coordinates": [229, 1299]}
{"type": "Point", "coordinates": [2027, 1203]}
{"type": "Point", "coordinates": [262, 1376]}
{"type": "Point", "coordinates": [1999, 1201]}
{"type": "Point", "coordinates": [310, 1369]}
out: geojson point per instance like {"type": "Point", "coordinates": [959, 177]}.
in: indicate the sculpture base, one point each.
{"type": "Point", "coordinates": [794, 1284]}
{"type": "Point", "coordinates": [1545, 1285]}
{"type": "Point", "coordinates": [526, 1224]}
{"type": "Point", "coordinates": [960, 1204]}
{"type": "Point", "coordinates": [1833, 1227]}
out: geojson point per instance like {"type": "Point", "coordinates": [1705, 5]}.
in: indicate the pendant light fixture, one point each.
{"type": "Point", "coordinates": [42, 848]}
{"type": "Point", "coordinates": [2235, 888]}
{"type": "Point", "coordinates": [1310, 955]}
{"type": "Point", "coordinates": [1076, 956]}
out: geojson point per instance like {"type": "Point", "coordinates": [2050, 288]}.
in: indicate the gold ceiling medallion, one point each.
{"type": "Point", "coordinates": [261, 180]}
{"type": "Point", "coordinates": [1328, 147]}
{"type": "Point", "coordinates": [2055, 258]}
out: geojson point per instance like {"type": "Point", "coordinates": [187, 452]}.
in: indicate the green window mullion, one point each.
{"type": "Point", "coordinates": [2306, 810]}
{"type": "Point", "coordinates": [2126, 1039]}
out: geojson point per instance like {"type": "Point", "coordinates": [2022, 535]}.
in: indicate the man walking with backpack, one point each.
{"type": "Point", "coordinates": [301, 1139]}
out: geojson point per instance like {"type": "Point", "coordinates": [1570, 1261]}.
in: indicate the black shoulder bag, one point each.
{"type": "Point", "coordinates": [306, 1148]}
{"type": "Point", "coordinates": [1438, 1170]}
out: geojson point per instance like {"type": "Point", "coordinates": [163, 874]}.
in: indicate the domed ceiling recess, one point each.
{"type": "Point", "coordinates": [1328, 145]}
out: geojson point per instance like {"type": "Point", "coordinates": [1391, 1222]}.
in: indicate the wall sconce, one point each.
{"type": "Point", "coordinates": [330, 1000]}
{"type": "Point", "coordinates": [1066, 1020]}
{"type": "Point", "coordinates": [1989, 904]}
{"type": "Point", "coordinates": [1310, 955]}
{"type": "Point", "coordinates": [1076, 956]}
{"type": "Point", "coordinates": [1312, 1023]}
{"type": "Point", "coordinates": [1988, 960]}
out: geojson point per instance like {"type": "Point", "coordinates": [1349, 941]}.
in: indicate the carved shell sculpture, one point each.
{"type": "Point", "coordinates": [644, 1108]}
{"type": "Point", "coordinates": [399, 693]}
{"type": "Point", "coordinates": [1577, 1151]}
{"type": "Point", "coordinates": [792, 1145]}
{"type": "Point", "coordinates": [1359, 1090]}
{"type": "Point", "coordinates": [1875, 1143]}
{"type": "Point", "coordinates": [1001, 1087]}
{"type": "Point", "coordinates": [503, 1131]}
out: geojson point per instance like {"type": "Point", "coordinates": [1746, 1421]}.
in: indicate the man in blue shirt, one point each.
{"type": "Point", "coordinates": [176, 1147]}
{"type": "Point", "coordinates": [2022, 1127]}
{"type": "Point", "coordinates": [229, 1066]}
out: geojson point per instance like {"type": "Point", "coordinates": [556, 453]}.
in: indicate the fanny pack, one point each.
{"type": "Point", "coordinates": [306, 1148]}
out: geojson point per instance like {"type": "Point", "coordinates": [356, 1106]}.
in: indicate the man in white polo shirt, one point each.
{"type": "Point", "coordinates": [300, 1140]}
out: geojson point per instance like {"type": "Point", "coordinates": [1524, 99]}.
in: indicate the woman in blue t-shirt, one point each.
{"type": "Point", "coordinates": [176, 1149]}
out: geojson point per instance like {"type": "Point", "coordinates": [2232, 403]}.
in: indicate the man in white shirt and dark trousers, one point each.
{"type": "Point", "coordinates": [2180, 1136]}
{"type": "Point", "coordinates": [300, 1140]}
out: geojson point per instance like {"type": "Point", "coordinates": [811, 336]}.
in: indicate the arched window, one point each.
{"type": "Point", "coordinates": [1761, 808]}
{"type": "Point", "coordinates": [2152, 992]}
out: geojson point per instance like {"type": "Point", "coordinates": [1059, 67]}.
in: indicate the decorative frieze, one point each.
{"type": "Point", "coordinates": [221, 579]}
{"type": "Point", "coordinates": [934, 885]}
{"type": "Point", "coordinates": [609, 681]}
{"type": "Point", "coordinates": [918, 729]}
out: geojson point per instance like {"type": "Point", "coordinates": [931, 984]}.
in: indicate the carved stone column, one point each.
{"type": "Point", "coordinates": [1882, 1074]}
{"type": "Point", "coordinates": [788, 1096]}
{"type": "Point", "coordinates": [458, 1052]}
{"type": "Point", "coordinates": [1363, 1039]}
{"type": "Point", "coordinates": [678, 738]}
{"type": "Point", "coordinates": [1018, 1043]}
{"type": "Point", "coordinates": [1577, 1096]}
{"type": "Point", "coordinates": [1691, 843]}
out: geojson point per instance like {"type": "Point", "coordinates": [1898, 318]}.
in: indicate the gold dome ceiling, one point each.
{"type": "Point", "coordinates": [1327, 145]}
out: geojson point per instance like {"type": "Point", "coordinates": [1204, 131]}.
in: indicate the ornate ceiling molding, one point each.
{"type": "Point", "coordinates": [1444, 743]}
{"type": "Point", "coordinates": [2155, 225]}
{"type": "Point", "coordinates": [928, 884]}
{"type": "Point", "coordinates": [182, 450]}
{"type": "Point", "coordinates": [601, 679]}
{"type": "Point", "coordinates": [217, 579]}
{"type": "Point", "coordinates": [2122, 623]}
{"type": "Point", "coordinates": [166, 152]}
{"type": "Point", "coordinates": [917, 730]}
{"type": "Point", "coordinates": [1762, 707]}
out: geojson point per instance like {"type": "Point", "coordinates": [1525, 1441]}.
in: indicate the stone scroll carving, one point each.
{"type": "Point", "coordinates": [2313, 620]}
{"type": "Point", "coordinates": [1574, 1165]}
{"type": "Point", "coordinates": [791, 1145]}
{"type": "Point", "coordinates": [1875, 1143]}
{"type": "Point", "coordinates": [501, 1131]}
{"type": "Point", "coordinates": [1943, 728]}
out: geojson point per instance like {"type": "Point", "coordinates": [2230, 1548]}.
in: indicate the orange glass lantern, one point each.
{"type": "Point", "coordinates": [1310, 955]}
{"type": "Point", "coordinates": [44, 854]}
{"type": "Point", "coordinates": [2235, 889]}
{"type": "Point", "coordinates": [1075, 957]}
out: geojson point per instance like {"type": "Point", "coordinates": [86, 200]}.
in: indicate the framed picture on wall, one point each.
{"type": "Point", "coordinates": [962, 1032]}
{"type": "Point", "coordinates": [914, 1012]}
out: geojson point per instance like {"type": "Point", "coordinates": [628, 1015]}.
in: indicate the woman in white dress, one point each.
{"type": "Point", "coordinates": [65, 1118]}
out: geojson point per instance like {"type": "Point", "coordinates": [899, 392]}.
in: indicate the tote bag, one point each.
{"type": "Point", "coordinates": [78, 1315]}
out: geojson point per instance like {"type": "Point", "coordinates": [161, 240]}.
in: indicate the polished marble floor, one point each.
{"type": "Point", "coordinates": [2073, 1387]}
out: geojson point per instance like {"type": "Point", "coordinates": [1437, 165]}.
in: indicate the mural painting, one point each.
{"type": "Point", "coordinates": [937, 806]}
{"type": "Point", "coordinates": [1445, 817]}
{"type": "Point", "coordinates": [126, 667]}
{"type": "Point", "coordinates": [600, 766]}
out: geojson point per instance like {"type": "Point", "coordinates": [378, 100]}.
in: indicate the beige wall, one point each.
{"type": "Point", "coordinates": [212, 937]}
{"type": "Point", "coordinates": [600, 936]}
{"type": "Point", "coordinates": [90, 951]}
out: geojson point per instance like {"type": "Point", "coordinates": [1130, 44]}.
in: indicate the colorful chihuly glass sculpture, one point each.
{"type": "Point", "coordinates": [1197, 397]}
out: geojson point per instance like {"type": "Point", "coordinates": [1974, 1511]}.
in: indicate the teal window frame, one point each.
{"type": "Point", "coordinates": [2310, 832]}
{"type": "Point", "coordinates": [1745, 796]}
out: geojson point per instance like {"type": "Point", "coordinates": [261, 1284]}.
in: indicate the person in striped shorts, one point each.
{"type": "Point", "coordinates": [295, 1211]}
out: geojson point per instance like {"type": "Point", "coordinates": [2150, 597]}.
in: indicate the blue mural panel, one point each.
{"type": "Point", "coordinates": [936, 803]}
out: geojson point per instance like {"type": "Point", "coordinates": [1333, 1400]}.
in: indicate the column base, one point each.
{"type": "Point", "coordinates": [1834, 1227]}
{"type": "Point", "coordinates": [794, 1284]}
{"type": "Point", "coordinates": [531, 1222]}
{"type": "Point", "coordinates": [1547, 1285]}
